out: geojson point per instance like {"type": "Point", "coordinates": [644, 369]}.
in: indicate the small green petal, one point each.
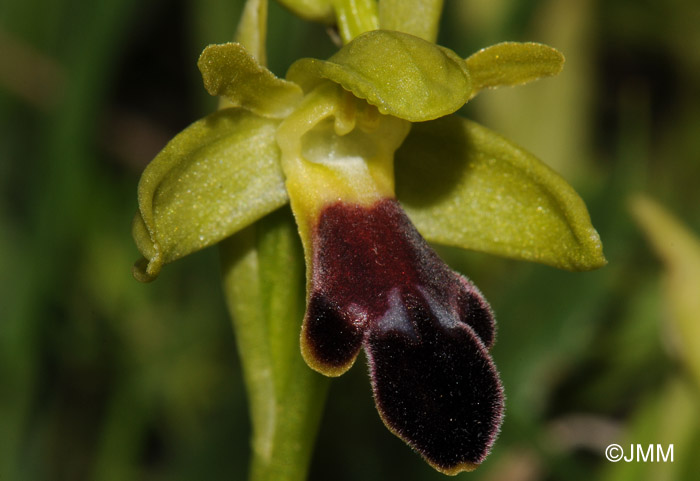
{"type": "Point", "coordinates": [229, 70]}
{"type": "Point", "coordinates": [402, 75]}
{"type": "Point", "coordinates": [314, 10]}
{"type": "Point", "coordinates": [417, 17]}
{"type": "Point", "coordinates": [466, 186]}
{"type": "Point", "coordinates": [217, 176]}
{"type": "Point", "coordinates": [512, 63]}
{"type": "Point", "coordinates": [680, 251]}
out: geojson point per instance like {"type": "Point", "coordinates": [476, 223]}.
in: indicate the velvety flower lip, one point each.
{"type": "Point", "coordinates": [426, 330]}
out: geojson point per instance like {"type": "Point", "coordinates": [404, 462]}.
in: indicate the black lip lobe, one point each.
{"type": "Point", "coordinates": [336, 340]}
{"type": "Point", "coordinates": [442, 394]}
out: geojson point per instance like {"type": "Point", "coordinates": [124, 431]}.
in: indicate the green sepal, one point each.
{"type": "Point", "coordinates": [215, 177]}
{"type": "Point", "coordinates": [314, 10]}
{"type": "Point", "coordinates": [417, 17]}
{"type": "Point", "coordinates": [402, 75]}
{"type": "Point", "coordinates": [230, 71]}
{"type": "Point", "coordinates": [512, 63]}
{"type": "Point", "coordinates": [466, 186]}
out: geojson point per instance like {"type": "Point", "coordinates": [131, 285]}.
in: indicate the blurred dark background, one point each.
{"type": "Point", "coordinates": [103, 378]}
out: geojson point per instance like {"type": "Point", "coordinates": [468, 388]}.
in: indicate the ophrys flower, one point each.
{"type": "Point", "coordinates": [332, 139]}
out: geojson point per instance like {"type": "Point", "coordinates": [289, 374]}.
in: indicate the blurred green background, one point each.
{"type": "Point", "coordinates": [102, 378]}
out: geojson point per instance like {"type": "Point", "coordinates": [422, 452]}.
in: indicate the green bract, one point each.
{"type": "Point", "coordinates": [402, 75]}
{"type": "Point", "coordinates": [263, 277]}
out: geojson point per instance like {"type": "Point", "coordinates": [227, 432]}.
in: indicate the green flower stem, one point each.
{"type": "Point", "coordinates": [263, 275]}
{"type": "Point", "coordinates": [355, 17]}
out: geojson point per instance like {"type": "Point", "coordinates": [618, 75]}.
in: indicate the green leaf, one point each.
{"type": "Point", "coordinates": [314, 10]}
{"type": "Point", "coordinates": [402, 75]}
{"type": "Point", "coordinates": [512, 63]}
{"type": "Point", "coordinates": [264, 284]}
{"type": "Point", "coordinates": [214, 178]}
{"type": "Point", "coordinates": [417, 17]}
{"type": "Point", "coordinates": [466, 186]}
{"type": "Point", "coordinates": [680, 251]}
{"type": "Point", "coordinates": [229, 70]}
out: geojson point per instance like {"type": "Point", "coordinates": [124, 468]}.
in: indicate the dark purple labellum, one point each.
{"type": "Point", "coordinates": [426, 330]}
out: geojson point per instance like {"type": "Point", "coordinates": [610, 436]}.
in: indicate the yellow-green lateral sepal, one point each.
{"type": "Point", "coordinates": [217, 176]}
{"type": "Point", "coordinates": [230, 71]}
{"type": "Point", "coordinates": [512, 63]}
{"type": "Point", "coordinates": [466, 186]}
{"type": "Point", "coordinates": [402, 75]}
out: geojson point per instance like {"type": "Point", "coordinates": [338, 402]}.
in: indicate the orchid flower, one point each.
{"type": "Point", "coordinates": [368, 151]}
